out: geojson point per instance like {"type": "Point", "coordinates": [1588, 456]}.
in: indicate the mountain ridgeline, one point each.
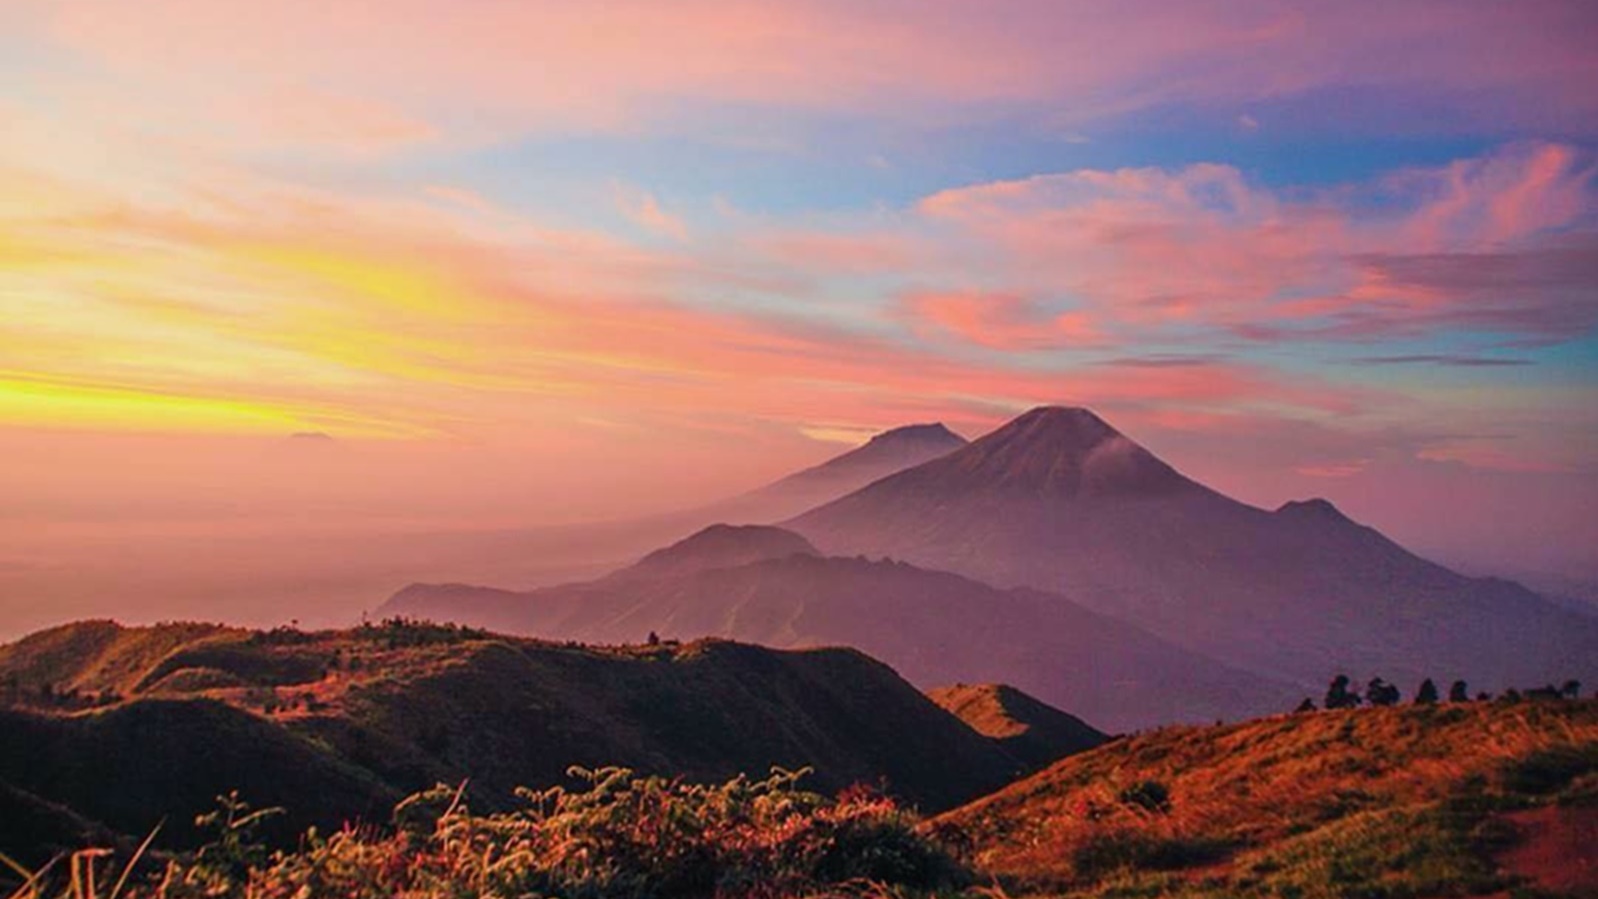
{"type": "Point", "coordinates": [933, 627]}
{"type": "Point", "coordinates": [1059, 555]}
{"type": "Point", "coordinates": [1058, 500]}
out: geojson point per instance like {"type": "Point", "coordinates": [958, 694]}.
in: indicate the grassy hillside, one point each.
{"type": "Point", "coordinates": [1414, 801]}
{"type": "Point", "coordinates": [126, 726]}
{"type": "Point", "coordinates": [1478, 799]}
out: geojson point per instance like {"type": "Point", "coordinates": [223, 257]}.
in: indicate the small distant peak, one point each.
{"type": "Point", "coordinates": [934, 432]}
{"type": "Point", "coordinates": [1312, 508]}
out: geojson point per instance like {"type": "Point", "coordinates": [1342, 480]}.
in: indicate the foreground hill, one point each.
{"type": "Point", "coordinates": [1058, 500]}
{"type": "Point", "coordinates": [122, 726]}
{"type": "Point", "coordinates": [934, 628]}
{"type": "Point", "coordinates": [1452, 800]}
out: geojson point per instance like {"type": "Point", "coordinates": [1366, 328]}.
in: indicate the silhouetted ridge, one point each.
{"type": "Point", "coordinates": [722, 546]}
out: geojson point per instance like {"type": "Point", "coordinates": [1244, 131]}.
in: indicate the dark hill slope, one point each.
{"type": "Point", "coordinates": [334, 725]}
{"type": "Point", "coordinates": [932, 627]}
{"type": "Point", "coordinates": [129, 766]}
{"type": "Point", "coordinates": [1059, 500]}
{"type": "Point", "coordinates": [1030, 730]}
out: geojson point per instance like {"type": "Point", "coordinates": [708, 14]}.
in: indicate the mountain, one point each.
{"type": "Point", "coordinates": [932, 627]}
{"type": "Point", "coordinates": [882, 455]}
{"type": "Point", "coordinates": [1059, 500]}
{"type": "Point", "coordinates": [1030, 730]}
{"type": "Point", "coordinates": [1462, 799]}
{"type": "Point", "coordinates": [117, 726]}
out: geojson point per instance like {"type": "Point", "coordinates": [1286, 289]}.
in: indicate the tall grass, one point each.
{"type": "Point", "coordinates": [621, 835]}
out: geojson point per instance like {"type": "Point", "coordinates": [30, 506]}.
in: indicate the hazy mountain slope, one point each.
{"type": "Point", "coordinates": [1058, 500]}
{"type": "Point", "coordinates": [720, 546]}
{"type": "Point", "coordinates": [1035, 732]}
{"type": "Point", "coordinates": [337, 724]}
{"type": "Point", "coordinates": [1407, 801]}
{"type": "Point", "coordinates": [932, 627]}
{"type": "Point", "coordinates": [882, 455]}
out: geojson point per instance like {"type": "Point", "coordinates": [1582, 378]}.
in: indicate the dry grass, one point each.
{"type": "Point", "coordinates": [1300, 798]}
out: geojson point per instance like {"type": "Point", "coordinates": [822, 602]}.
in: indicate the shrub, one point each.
{"type": "Point", "coordinates": [1550, 770]}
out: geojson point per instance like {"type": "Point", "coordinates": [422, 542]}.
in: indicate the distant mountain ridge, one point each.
{"type": "Point", "coordinates": [1057, 499]}
{"type": "Point", "coordinates": [932, 627]}
{"type": "Point", "coordinates": [720, 546]}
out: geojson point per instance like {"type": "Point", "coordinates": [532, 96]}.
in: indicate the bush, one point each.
{"type": "Point", "coordinates": [1550, 770]}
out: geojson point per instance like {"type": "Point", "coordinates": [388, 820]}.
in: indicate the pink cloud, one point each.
{"type": "Point", "coordinates": [1494, 243]}
{"type": "Point", "coordinates": [1000, 321]}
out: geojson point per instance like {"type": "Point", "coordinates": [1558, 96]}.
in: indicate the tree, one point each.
{"type": "Point", "coordinates": [1571, 689]}
{"type": "Point", "coordinates": [1338, 696]}
{"type": "Point", "coordinates": [1459, 692]}
{"type": "Point", "coordinates": [1427, 693]}
{"type": "Point", "coordinates": [1380, 692]}
{"type": "Point", "coordinates": [1308, 705]}
{"type": "Point", "coordinates": [654, 639]}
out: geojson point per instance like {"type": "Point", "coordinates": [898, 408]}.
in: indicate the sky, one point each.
{"type": "Point", "coordinates": [540, 262]}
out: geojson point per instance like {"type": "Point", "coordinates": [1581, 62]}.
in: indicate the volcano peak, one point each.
{"type": "Point", "coordinates": [1059, 450]}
